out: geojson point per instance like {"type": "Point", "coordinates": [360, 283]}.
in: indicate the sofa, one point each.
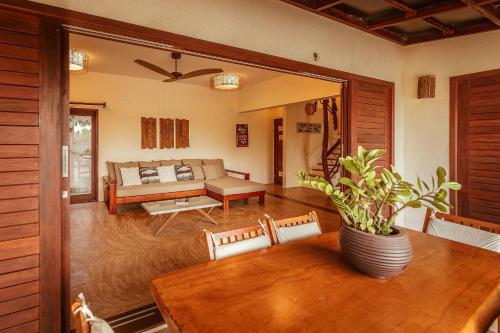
{"type": "Point", "coordinates": [214, 181]}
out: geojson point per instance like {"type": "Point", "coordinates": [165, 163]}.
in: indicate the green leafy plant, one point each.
{"type": "Point", "coordinates": [364, 203]}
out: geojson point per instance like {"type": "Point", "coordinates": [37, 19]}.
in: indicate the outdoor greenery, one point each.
{"type": "Point", "coordinates": [373, 189]}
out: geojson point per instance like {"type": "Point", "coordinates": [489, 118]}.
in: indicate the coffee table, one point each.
{"type": "Point", "coordinates": [158, 209]}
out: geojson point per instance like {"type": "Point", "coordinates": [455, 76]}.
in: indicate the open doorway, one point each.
{"type": "Point", "coordinates": [117, 254]}
{"type": "Point", "coordinates": [278, 150]}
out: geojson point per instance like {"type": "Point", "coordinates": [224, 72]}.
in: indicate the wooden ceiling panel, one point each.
{"type": "Point", "coordinates": [410, 21]}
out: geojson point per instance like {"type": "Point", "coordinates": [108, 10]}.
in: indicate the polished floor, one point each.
{"type": "Point", "coordinates": [114, 258]}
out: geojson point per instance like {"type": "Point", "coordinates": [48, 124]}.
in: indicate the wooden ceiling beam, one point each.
{"type": "Point", "coordinates": [421, 13]}
{"type": "Point", "coordinates": [446, 30]}
{"type": "Point", "coordinates": [409, 12]}
{"type": "Point", "coordinates": [477, 6]}
{"type": "Point", "coordinates": [328, 5]}
{"type": "Point", "coordinates": [342, 17]}
{"type": "Point", "coordinates": [467, 30]}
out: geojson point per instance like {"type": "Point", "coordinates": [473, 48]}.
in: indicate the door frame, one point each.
{"type": "Point", "coordinates": [55, 240]}
{"type": "Point", "coordinates": [275, 120]}
{"type": "Point", "coordinates": [454, 137]}
{"type": "Point", "coordinates": [94, 113]}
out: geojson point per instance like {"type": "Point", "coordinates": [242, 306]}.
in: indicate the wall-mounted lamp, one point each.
{"type": "Point", "coordinates": [426, 87]}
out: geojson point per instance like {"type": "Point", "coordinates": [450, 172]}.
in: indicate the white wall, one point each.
{"type": "Point", "coordinates": [302, 150]}
{"type": "Point", "coordinates": [284, 90]}
{"type": "Point", "coordinates": [426, 124]}
{"type": "Point", "coordinates": [212, 116]}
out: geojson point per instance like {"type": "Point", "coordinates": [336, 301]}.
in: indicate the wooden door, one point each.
{"type": "Point", "coordinates": [370, 118]}
{"type": "Point", "coordinates": [475, 144]}
{"type": "Point", "coordinates": [83, 155]}
{"type": "Point", "coordinates": [30, 197]}
{"type": "Point", "coordinates": [278, 151]}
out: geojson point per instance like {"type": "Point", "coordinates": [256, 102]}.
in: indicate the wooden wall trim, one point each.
{"type": "Point", "coordinates": [50, 176]}
{"type": "Point", "coordinates": [181, 42]}
{"type": "Point", "coordinates": [65, 186]}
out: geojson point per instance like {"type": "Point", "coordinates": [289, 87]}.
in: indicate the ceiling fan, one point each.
{"type": "Point", "coordinates": [175, 75]}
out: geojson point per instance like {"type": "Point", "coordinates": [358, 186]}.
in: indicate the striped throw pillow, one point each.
{"type": "Point", "coordinates": [183, 172]}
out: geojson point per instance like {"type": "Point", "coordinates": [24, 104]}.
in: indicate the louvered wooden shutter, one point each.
{"type": "Point", "coordinates": [370, 117]}
{"type": "Point", "coordinates": [477, 145]}
{"type": "Point", "coordinates": [19, 139]}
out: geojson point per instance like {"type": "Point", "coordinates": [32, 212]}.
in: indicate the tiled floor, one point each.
{"type": "Point", "coordinates": [114, 258]}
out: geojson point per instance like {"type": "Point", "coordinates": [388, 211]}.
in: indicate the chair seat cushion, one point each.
{"type": "Point", "coordinates": [247, 245]}
{"type": "Point", "coordinates": [286, 234]}
{"type": "Point", "coordinates": [156, 188]}
{"type": "Point", "coordinates": [464, 234]}
{"type": "Point", "coordinates": [231, 185]}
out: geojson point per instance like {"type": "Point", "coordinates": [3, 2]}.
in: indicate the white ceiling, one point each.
{"type": "Point", "coordinates": [118, 58]}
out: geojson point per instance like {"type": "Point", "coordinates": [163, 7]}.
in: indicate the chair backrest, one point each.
{"type": "Point", "coordinates": [467, 221]}
{"type": "Point", "coordinates": [229, 243]}
{"type": "Point", "coordinates": [285, 230]}
{"type": "Point", "coordinates": [81, 323]}
{"type": "Point", "coordinates": [464, 230]}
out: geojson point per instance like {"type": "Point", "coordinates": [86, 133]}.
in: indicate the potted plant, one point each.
{"type": "Point", "coordinates": [369, 205]}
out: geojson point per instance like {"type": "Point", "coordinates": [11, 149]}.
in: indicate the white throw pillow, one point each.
{"type": "Point", "coordinates": [130, 176]}
{"type": "Point", "coordinates": [464, 234]}
{"type": "Point", "coordinates": [167, 173]}
{"type": "Point", "coordinates": [247, 245]}
{"type": "Point", "coordinates": [286, 234]}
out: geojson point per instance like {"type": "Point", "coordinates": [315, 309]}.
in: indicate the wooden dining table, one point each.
{"type": "Point", "coordinates": [306, 286]}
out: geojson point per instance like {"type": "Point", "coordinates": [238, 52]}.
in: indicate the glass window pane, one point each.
{"type": "Point", "coordinates": [80, 139]}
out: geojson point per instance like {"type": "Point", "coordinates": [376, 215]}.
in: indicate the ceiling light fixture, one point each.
{"type": "Point", "coordinates": [225, 82]}
{"type": "Point", "coordinates": [78, 62]}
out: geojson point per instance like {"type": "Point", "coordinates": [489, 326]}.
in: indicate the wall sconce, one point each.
{"type": "Point", "coordinates": [426, 86]}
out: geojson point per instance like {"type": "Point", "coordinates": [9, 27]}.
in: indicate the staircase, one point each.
{"type": "Point", "coordinates": [329, 166]}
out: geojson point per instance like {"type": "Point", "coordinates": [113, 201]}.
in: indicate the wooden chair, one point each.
{"type": "Point", "coordinates": [474, 223]}
{"type": "Point", "coordinates": [81, 323]}
{"type": "Point", "coordinates": [303, 220]}
{"type": "Point", "coordinates": [466, 221]}
{"type": "Point", "coordinates": [224, 240]}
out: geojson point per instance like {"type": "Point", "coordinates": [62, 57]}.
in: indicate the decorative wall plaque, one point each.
{"type": "Point", "coordinates": [241, 135]}
{"type": "Point", "coordinates": [166, 133]}
{"type": "Point", "coordinates": [308, 127]}
{"type": "Point", "coordinates": [181, 133]}
{"type": "Point", "coordinates": [148, 133]}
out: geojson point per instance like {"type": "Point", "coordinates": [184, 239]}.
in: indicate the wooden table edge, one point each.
{"type": "Point", "coordinates": [167, 317]}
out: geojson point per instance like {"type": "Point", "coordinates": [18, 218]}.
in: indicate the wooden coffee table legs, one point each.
{"type": "Point", "coordinates": [167, 220]}
{"type": "Point", "coordinates": [206, 214]}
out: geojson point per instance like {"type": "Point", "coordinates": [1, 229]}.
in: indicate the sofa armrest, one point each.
{"type": "Point", "coordinates": [246, 175]}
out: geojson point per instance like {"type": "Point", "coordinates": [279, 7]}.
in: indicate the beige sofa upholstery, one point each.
{"type": "Point", "coordinates": [156, 188]}
{"type": "Point", "coordinates": [231, 185]}
{"type": "Point", "coordinates": [225, 188]}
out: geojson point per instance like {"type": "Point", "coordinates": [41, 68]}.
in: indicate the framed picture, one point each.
{"type": "Point", "coordinates": [241, 135]}
{"type": "Point", "coordinates": [308, 127]}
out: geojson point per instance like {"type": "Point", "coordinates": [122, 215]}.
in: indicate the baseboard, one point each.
{"type": "Point", "coordinates": [144, 319]}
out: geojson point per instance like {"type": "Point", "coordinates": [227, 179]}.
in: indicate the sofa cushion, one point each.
{"type": "Point", "coordinates": [156, 188]}
{"type": "Point", "coordinates": [118, 173]}
{"type": "Point", "coordinates": [192, 161]}
{"type": "Point", "coordinates": [183, 172]}
{"type": "Point", "coordinates": [149, 175]}
{"type": "Point", "coordinates": [210, 172]}
{"type": "Point", "coordinates": [230, 185]}
{"type": "Point", "coordinates": [111, 172]}
{"type": "Point", "coordinates": [167, 173]}
{"type": "Point", "coordinates": [198, 173]}
{"type": "Point", "coordinates": [219, 163]}
{"type": "Point", "coordinates": [146, 164]}
{"type": "Point", "coordinates": [170, 162]}
{"type": "Point", "coordinates": [130, 176]}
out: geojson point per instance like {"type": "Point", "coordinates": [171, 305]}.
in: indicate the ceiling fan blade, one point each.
{"type": "Point", "coordinates": [169, 80]}
{"type": "Point", "coordinates": [201, 72]}
{"type": "Point", "coordinates": [152, 67]}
